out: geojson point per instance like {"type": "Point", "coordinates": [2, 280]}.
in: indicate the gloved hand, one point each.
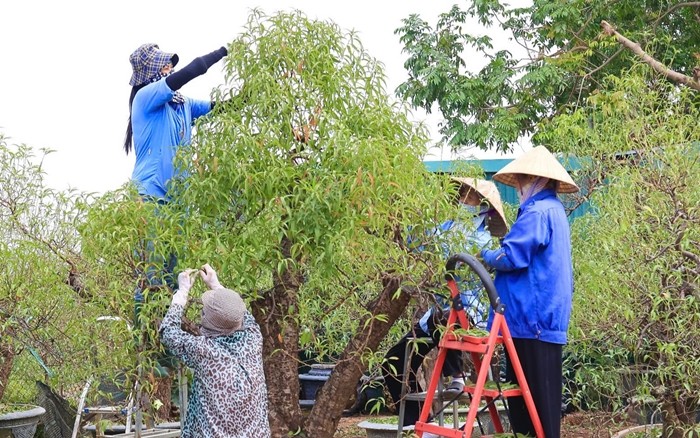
{"type": "Point", "coordinates": [480, 258]}
{"type": "Point", "coordinates": [184, 284]}
{"type": "Point", "coordinates": [209, 276]}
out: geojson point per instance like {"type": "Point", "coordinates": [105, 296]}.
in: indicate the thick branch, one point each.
{"type": "Point", "coordinates": [7, 360]}
{"type": "Point", "coordinates": [653, 63]}
{"type": "Point", "coordinates": [333, 396]}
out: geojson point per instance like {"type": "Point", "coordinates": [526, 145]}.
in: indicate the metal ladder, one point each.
{"type": "Point", "coordinates": [131, 411]}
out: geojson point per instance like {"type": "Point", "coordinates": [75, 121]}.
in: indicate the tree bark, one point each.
{"type": "Point", "coordinates": [678, 413]}
{"type": "Point", "coordinates": [340, 387]}
{"type": "Point", "coordinates": [653, 63]}
{"type": "Point", "coordinates": [280, 350]}
{"type": "Point", "coordinates": [7, 358]}
{"type": "Point", "coordinates": [671, 424]}
{"type": "Point", "coordinates": [162, 390]}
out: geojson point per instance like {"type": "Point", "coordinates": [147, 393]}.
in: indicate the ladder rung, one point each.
{"type": "Point", "coordinates": [471, 339]}
{"type": "Point", "coordinates": [464, 346]}
{"type": "Point", "coordinates": [494, 393]}
{"type": "Point", "coordinates": [439, 430]}
{"type": "Point", "coordinates": [446, 396]}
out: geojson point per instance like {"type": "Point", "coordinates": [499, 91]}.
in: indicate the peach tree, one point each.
{"type": "Point", "coordinates": [302, 190]}
{"type": "Point", "coordinates": [48, 318]}
{"type": "Point", "coordinates": [299, 188]}
{"type": "Point", "coordinates": [637, 259]}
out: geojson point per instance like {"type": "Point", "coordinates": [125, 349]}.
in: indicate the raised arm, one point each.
{"type": "Point", "coordinates": [529, 232]}
{"type": "Point", "coordinates": [197, 67]}
{"type": "Point", "coordinates": [185, 346]}
{"type": "Point", "coordinates": [172, 336]}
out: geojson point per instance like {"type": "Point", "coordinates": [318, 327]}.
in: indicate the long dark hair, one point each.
{"type": "Point", "coordinates": [129, 131]}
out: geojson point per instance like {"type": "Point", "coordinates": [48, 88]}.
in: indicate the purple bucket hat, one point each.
{"type": "Point", "coordinates": [146, 61]}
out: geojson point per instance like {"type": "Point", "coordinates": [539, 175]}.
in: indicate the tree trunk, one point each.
{"type": "Point", "coordinates": [280, 350]}
{"type": "Point", "coordinates": [340, 387]}
{"type": "Point", "coordinates": [7, 360]}
{"type": "Point", "coordinates": [162, 390]}
{"type": "Point", "coordinates": [678, 415]}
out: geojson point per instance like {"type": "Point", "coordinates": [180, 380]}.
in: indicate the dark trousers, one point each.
{"type": "Point", "coordinates": [155, 270]}
{"type": "Point", "coordinates": [542, 366]}
{"type": "Point", "coordinates": [155, 273]}
{"type": "Point", "coordinates": [392, 368]}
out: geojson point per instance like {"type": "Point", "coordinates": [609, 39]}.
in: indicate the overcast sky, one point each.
{"type": "Point", "coordinates": [65, 74]}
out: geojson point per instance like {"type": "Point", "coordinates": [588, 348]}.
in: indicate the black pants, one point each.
{"type": "Point", "coordinates": [542, 366]}
{"type": "Point", "coordinates": [394, 360]}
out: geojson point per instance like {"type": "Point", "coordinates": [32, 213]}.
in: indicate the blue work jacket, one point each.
{"type": "Point", "coordinates": [534, 272]}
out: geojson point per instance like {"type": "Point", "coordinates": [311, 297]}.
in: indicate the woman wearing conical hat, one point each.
{"type": "Point", "coordinates": [480, 216]}
{"type": "Point", "coordinates": [534, 279]}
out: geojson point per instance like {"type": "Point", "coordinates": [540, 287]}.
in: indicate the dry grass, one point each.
{"type": "Point", "coordinates": [574, 425]}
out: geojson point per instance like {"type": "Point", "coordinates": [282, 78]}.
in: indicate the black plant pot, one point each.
{"type": "Point", "coordinates": [312, 381]}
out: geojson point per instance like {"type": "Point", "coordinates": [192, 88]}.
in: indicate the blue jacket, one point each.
{"type": "Point", "coordinates": [474, 237]}
{"type": "Point", "coordinates": [159, 128]}
{"type": "Point", "coordinates": [534, 272]}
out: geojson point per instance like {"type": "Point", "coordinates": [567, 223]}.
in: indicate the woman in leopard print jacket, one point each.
{"type": "Point", "coordinates": [228, 397]}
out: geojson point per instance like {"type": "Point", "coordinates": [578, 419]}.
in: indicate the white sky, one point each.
{"type": "Point", "coordinates": [64, 83]}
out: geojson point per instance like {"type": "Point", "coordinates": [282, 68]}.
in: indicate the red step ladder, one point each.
{"type": "Point", "coordinates": [481, 350]}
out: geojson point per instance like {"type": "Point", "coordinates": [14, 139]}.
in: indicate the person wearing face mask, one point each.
{"type": "Point", "coordinates": [160, 118]}
{"type": "Point", "coordinates": [228, 396]}
{"type": "Point", "coordinates": [534, 279]}
{"type": "Point", "coordinates": [480, 217]}
{"type": "Point", "coordinates": [160, 121]}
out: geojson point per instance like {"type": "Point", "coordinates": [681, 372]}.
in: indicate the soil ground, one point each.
{"type": "Point", "coordinates": [574, 425]}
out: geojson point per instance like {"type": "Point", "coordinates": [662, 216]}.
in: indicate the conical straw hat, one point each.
{"type": "Point", "coordinates": [539, 162]}
{"type": "Point", "coordinates": [487, 190]}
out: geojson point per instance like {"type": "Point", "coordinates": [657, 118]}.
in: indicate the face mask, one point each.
{"type": "Point", "coordinates": [531, 187]}
{"type": "Point", "coordinates": [521, 191]}
{"type": "Point", "coordinates": [523, 185]}
{"type": "Point", "coordinates": [471, 209]}
{"type": "Point", "coordinates": [158, 76]}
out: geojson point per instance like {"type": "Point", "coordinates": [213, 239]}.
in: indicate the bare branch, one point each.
{"type": "Point", "coordinates": [673, 8]}
{"type": "Point", "coordinates": [653, 63]}
{"type": "Point", "coordinates": [601, 66]}
{"type": "Point", "coordinates": [691, 256]}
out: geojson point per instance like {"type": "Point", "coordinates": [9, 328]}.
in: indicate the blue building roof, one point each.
{"type": "Point", "coordinates": [490, 168]}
